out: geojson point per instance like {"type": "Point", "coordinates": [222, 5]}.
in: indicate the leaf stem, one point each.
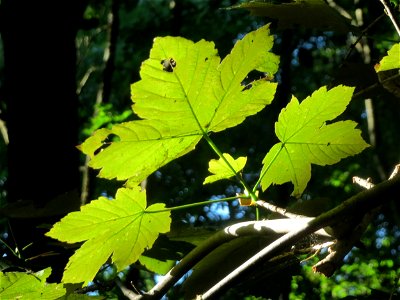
{"type": "Point", "coordinates": [267, 168]}
{"type": "Point", "coordinates": [389, 12]}
{"type": "Point", "coordinates": [251, 193]}
{"type": "Point", "coordinates": [197, 204]}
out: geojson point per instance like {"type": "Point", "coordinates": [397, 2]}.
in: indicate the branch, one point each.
{"type": "Point", "coordinates": [267, 228]}
{"type": "Point", "coordinates": [389, 12]}
{"type": "Point", "coordinates": [340, 220]}
{"type": "Point", "coordinates": [353, 208]}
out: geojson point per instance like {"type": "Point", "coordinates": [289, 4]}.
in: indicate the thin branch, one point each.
{"type": "Point", "coordinates": [277, 209]}
{"type": "Point", "coordinates": [4, 132]}
{"type": "Point", "coordinates": [127, 292]}
{"type": "Point", "coordinates": [389, 12]}
{"type": "Point", "coordinates": [363, 32]}
{"type": "Point", "coordinates": [265, 228]}
{"type": "Point", "coordinates": [374, 86]}
{"type": "Point", "coordinates": [354, 207]}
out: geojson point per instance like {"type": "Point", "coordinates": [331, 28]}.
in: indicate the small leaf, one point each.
{"type": "Point", "coordinates": [221, 170]}
{"type": "Point", "coordinates": [19, 285]}
{"type": "Point", "coordinates": [391, 60]}
{"type": "Point", "coordinates": [184, 93]}
{"type": "Point", "coordinates": [122, 228]}
{"type": "Point", "coordinates": [306, 139]}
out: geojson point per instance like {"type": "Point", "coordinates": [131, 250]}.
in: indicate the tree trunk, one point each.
{"type": "Point", "coordinates": [42, 105]}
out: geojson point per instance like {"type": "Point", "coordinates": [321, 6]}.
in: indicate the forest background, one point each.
{"type": "Point", "coordinates": [66, 72]}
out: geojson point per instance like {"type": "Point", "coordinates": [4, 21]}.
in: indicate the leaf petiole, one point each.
{"type": "Point", "coordinates": [197, 204]}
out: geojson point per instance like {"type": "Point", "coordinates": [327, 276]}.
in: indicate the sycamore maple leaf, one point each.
{"type": "Point", "coordinates": [391, 60]}
{"type": "Point", "coordinates": [121, 228]}
{"type": "Point", "coordinates": [306, 139]}
{"type": "Point", "coordinates": [185, 93]}
{"type": "Point", "coordinates": [221, 170]}
{"type": "Point", "coordinates": [20, 285]}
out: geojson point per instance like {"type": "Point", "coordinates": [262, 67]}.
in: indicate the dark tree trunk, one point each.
{"type": "Point", "coordinates": [42, 105]}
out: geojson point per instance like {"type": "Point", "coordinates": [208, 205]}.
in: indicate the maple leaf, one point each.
{"type": "Point", "coordinates": [20, 285]}
{"type": "Point", "coordinates": [306, 139]}
{"type": "Point", "coordinates": [184, 94]}
{"type": "Point", "coordinates": [121, 228]}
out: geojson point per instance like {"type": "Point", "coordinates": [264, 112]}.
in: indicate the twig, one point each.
{"type": "Point", "coordinates": [354, 206]}
{"type": "Point", "coordinates": [374, 86]}
{"type": "Point", "coordinates": [277, 209]}
{"type": "Point", "coordinates": [4, 132]}
{"type": "Point", "coordinates": [363, 32]}
{"type": "Point", "coordinates": [127, 292]}
{"type": "Point", "coordinates": [395, 171]}
{"type": "Point", "coordinates": [389, 12]}
{"type": "Point", "coordinates": [365, 183]}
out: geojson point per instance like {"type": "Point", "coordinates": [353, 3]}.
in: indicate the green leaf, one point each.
{"type": "Point", "coordinates": [391, 60]}
{"type": "Point", "coordinates": [306, 139]}
{"type": "Point", "coordinates": [19, 285]}
{"type": "Point", "coordinates": [183, 99]}
{"type": "Point", "coordinates": [221, 170]}
{"type": "Point", "coordinates": [122, 228]}
{"type": "Point", "coordinates": [157, 266]}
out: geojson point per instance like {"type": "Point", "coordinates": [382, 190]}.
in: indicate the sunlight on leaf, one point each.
{"type": "Point", "coordinates": [184, 94]}
{"type": "Point", "coordinates": [20, 285]}
{"type": "Point", "coordinates": [157, 266]}
{"type": "Point", "coordinates": [306, 139]}
{"type": "Point", "coordinates": [220, 169]}
{"type": "Point", "coordinates": [122, 228]}
{"type": "Point", "coordinates": [391, 60]}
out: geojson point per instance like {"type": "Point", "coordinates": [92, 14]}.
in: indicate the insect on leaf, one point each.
{"type": "Point", "coordinates": [306, 139]}
{"type": "Point", "coordinates": [121, 229]}
{"type": "Point", "coordinates": [185, 93]}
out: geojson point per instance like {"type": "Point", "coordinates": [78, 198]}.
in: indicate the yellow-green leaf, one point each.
{"type": "Point", "coordinates": [391, 60]}
{"type": "Point", "coordinates": [306, 139]}
{"type": "Point", "coordinates": [221, 170]}
{"type": "Point", "coordinates": [20, 285]}
{"type": "Point", "coordinates": [121, 229]}
{"type": "Point", "coordinates": [184, 93]}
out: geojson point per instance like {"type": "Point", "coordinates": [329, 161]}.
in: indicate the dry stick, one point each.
{"type": "Point", "coordinates": [388, 11]}
{"type": "Point", "coordinates": [356, 206]}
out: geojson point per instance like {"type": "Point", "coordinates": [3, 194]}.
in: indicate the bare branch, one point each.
{"type": "Point", "coordinates": [354, 208]}
{"type": "Point", "coordinates": [389, 12]}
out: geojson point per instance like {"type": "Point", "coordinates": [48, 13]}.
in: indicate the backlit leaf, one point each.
{"type": "Point", "coordinates": [184, 94]}
{"type": "Point", "coordinates": [391, 60]}
{"type": "Point", "coordinates": [221, 170]}
{"type": "Point", "coordinates": [20, 285]}
{"type": "Point", "coordinates": [121, 229]}
{"type": "Point", "coordinates": [306, 139]}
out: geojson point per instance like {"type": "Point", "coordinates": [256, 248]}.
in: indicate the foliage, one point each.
{"type": "Point", "coordinates": [186, 95]}
{"type": "Point", "coordinates": [109, 227]}
{"type": "Point", "coordinates": [309, 139]}
{"type": "Point", "coordinates": [182, 99]}
{"type": "Point", "coordinates": [20, 285]}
